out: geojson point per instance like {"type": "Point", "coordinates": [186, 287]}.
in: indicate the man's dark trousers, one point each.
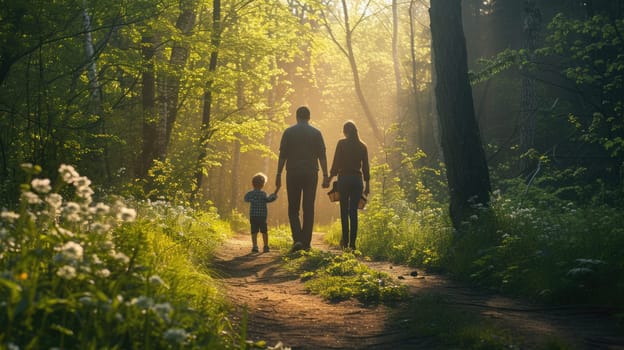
{"type": "Point", "coordinates": [300, 183]}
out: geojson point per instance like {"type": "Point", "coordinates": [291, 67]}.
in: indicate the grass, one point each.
{"type": "Point", "coordinates": [76, 273]}
{"type": "Point", "coordinates": [342, 277]}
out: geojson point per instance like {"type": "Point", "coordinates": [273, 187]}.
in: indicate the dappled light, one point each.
{"type": "Point", "coordinates": [165, 168]}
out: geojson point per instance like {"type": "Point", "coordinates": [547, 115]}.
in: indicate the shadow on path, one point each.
{"type": "Point", "coordinates": [279, 308]}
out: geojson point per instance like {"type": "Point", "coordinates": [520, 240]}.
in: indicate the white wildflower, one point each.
{"type": "Point", "coordinates": [590, 261]}
{"type": "Point", "coordinates": [100, 209]}
{"type": "Point", "coordinates": [72, 207]}
{"type": "Point", "coordinates": [64, 232]}
{"type": "Point", "coordinates": [104, 273]}
{"type": "Point", "coordinates": [72, 212]}
{"type": "Point", "coordinates": [74, 217]}
{"type": "Point", "coordinates": [120, 256]}
{"type": "Point", "coordinates": [126, 214]}
{"type": "Point", "coordinates": [84, 192]}
{"type": "Point", "coordinates": [82, 181]}
{"type": "Point", "coordinates": [41, 185]}
{"type": "Point", "coordinates": [30, 197]}
{"type": "Point", "coordinates": [176, 335]}
{"type": "Point", "coordinates": [100, 228]}
{"type": "Point", "coordinates": [96, 259]}
{"type": "Point", "coordinates": [579, 271]}
{"type": "Point", "coordinates": [54, 200]}
{"type": "Point", "coordinates": [163, 310]}
{"type": "Point", "coordinates": [9, 216]}
{"type": "Point", "coordinates": [157, 281]}
{"type": "Point", "coordinates": [142, 302]}
{"type": "Point", "coordinates": [72, 251]}
{"type": "Point", "coordinates": [86, 300]}
{"type": "Point", "coordinates": [11, 346]}
{"type": "Point", "coordinates": [66, 272]}
{"type": "Point", "coordinates": [68, 173]}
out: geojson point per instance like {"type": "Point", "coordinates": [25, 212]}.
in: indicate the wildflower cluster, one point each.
{"type": "Point", "coordinates": [76, 271]}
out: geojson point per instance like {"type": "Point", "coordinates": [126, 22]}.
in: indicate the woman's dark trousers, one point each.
{"type": "Point", "coordinates": [350, 188]}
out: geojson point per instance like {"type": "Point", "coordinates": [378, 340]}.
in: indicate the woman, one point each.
{"type": "Point", "coordinates": [351, 166]}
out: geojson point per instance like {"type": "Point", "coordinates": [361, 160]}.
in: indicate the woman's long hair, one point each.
{"type": "Point", "coordinates": [351, 131]}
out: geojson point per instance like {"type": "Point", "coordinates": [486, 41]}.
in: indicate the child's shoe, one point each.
{"type": "Point", "coordinates": [254, 249]}
{"type": "Point", "coordinates": [265, 249]}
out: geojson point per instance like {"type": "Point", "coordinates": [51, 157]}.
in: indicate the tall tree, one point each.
{"type": "Point", "coordinates": [395, 47]}
{"type": "Point", "coordinates": [466, 167]}
{"type": "Point", "coordinates": [215, 41]}
{"type": "Point", "coordinates": [148, 95]}
{"type": "Point", "coordinates": [532, 22]}
{"type": "Point", "coordinates": [177, 62]}
{"type": "Point", "coordinates": [349, 26]}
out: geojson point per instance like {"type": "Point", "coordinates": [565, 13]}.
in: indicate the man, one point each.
{"type": "Point", "coordinates": [301, 150]}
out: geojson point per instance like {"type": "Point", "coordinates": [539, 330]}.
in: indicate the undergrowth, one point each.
{"type": "Point", "coordinates": [342, 277]}
{"type": "Point", "coordinates": [76, 273]}
{"type": "Point", "coordinates": [530, 242]}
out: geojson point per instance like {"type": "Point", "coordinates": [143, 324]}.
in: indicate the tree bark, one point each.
{"type": "Point", "coordinates": [417, 112]}
{"type": "Point", "coordinates": [148, 93]}
{"type": "Point", "coordinates": [94, 85]}
{"type": "Point", "coordinates": [95, 89]}
{"type": "Point", "coordinates": [466, 167]}
{"type": "Point", "coordinates": [532, 22]}
{"type": "Point", "coordinates": [395, 49]}
{"type": "Point", "coordinates": [207, 111]}
{"type": "Point", "coordinates": [177, 62]}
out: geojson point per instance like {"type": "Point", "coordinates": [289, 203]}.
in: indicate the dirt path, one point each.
{"type": "Point", "coordinates": [280, 309]}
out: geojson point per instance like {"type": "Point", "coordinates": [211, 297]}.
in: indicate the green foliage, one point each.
{"type": "Point", "coordinates": [342, 277]}
{"type": "Point", "coordinates": [551, 250]}
{"type": "Point", "coordinates": [400, 230]}
{"type": "Point", "coordinates": [593, 59]}
{"type": "Point", "coordinates": [238, 221]}
{"type": "Point", "coordinates": [79, 274]}
{"type": "Point", "coordinates": [536, 240]}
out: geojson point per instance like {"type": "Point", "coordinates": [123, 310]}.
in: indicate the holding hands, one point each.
{"type": "Point", "coordinates": [326, 181]}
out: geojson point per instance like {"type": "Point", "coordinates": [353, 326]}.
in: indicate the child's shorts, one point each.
{"type": "Point", "coordinates": [258, 223]}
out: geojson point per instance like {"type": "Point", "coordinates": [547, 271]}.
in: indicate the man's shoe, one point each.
{"type": "Point", "coordinates": [296, 247]}
{"type": "Point", "coordinates": [254, 249]}
{"type": "Point", "coordinates": [265, 249]}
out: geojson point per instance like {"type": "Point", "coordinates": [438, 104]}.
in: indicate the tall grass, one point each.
{"type": "Point", "coordinates": [81, 274]}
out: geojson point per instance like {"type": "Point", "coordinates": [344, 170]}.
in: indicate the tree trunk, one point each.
{"type": "Point", "coordinates": [94, 85]}
{"type": "Point", "coordinates": [148, 93]}
{"type": "Point", "coordinates": [395, 49]}
{"type": "Point", "coordinates": [206, 113]}
{"type": "Point", "coordinates": [415, 103]}
{"type": "Point", "coordinates": [467, 172]}
{"type": "Point", "coordinates": [94, 88]}
{"type": "Point", "coordinates": [177, 62]}
{"type": "Point", "coordinates": [532, 22]}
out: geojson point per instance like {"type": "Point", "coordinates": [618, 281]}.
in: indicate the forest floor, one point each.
{"type": "Point", "coordinates": [279, 308]}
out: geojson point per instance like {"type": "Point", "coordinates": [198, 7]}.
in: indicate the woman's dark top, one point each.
{"type": "Point", "coordinates": [351, 158]}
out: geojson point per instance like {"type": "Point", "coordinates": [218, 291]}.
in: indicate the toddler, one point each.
{"type": "Point", "coordinates": [258, 200]}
